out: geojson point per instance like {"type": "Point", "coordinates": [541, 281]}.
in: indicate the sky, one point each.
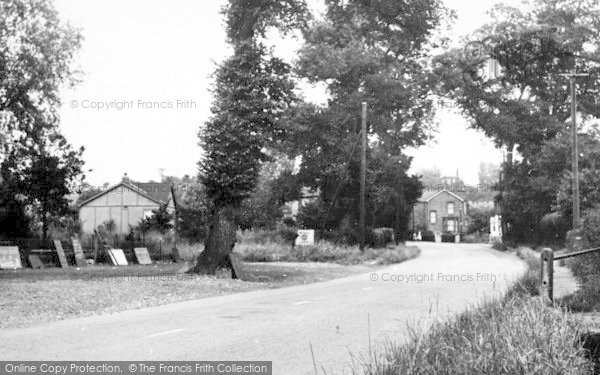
{"type": "Point", "coordinates": [145, 92]}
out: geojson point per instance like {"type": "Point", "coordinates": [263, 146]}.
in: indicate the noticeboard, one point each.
{"type": "Point", "coordinates": [10, 257]}
{"type": "Point", "coordinates": [306, 237]}
{"type": "Point", "coordinates": [79, 256]}
{"type": "Point", "coordinates": [62, 258]}
{"type": "Point", "coordinates": [118, 257]}
{"type": "Point", "coordinates": [142, 255]}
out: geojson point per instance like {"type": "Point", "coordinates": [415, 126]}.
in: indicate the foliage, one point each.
{"type": "Point", "coordinates": [276, 185]}
{"type": "Point", "coordinates": [524, 109]}
{"type": "Point", "coordinates": [160, 221]}
{"type": "Point", "coordinates": [363, 52]}
{"type": "Point", "coordinates": [479, 219]}
{"type": "Point", "coordinates": [192, 209]}
{"type": "Point", "coordinates": [37, 164]}
{"type": "Point", "coordinates": [323, 251]}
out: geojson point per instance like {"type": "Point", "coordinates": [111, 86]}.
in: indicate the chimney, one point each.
{"type": "Point", "coordinates": [125, 178]}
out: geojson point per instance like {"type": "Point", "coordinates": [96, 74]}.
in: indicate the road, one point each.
{"type": "Point", "coordinates": [340, 319]}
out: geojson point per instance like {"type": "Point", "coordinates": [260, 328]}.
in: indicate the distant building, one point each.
{"type": "Point", "coordinates": [439, 211]}
{"type": "Point", "coordinates": [126, 203]}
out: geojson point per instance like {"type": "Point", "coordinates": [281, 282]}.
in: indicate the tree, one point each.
{"type": "Point", "coordinates": [32, 70]}
{"type": "Point", "coordinates": [46, 182]}
{"type": "Point", "coordinates": [160, 221]}
{"type": "Point", "coordinates": [363, 51]}
{"type": "Point", "coordinates": [526, 107]}
{"type": "Point", "coordinates": [252, 90]}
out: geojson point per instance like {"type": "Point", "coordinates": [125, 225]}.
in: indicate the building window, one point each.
{"type": "Point", "coordinates": [450, 208]}
{"type": "Point", "coordinates": [432, 217]}
{"type": "Point", "coordinates": [451, 226]}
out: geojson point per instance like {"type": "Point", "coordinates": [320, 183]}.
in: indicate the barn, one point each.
{"type": "Point", "coordinates": [126, 203]}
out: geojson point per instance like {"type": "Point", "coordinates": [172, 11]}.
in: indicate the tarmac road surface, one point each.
{"type": "Point", "coordinates": [341, 319]}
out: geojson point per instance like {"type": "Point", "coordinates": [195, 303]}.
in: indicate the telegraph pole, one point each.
{"type": "Point", "coordinates": [574, 147]}
{"type": "Point", "coordinates": [363, 174]}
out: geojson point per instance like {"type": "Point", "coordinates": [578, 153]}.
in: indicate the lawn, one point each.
{"type": "Point", "coordinates": [29, 297]}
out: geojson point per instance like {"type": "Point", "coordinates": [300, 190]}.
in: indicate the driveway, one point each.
{"type": "Point", "coordinates": [339, 319]}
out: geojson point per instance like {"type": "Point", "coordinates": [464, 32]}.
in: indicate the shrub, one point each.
{"type": "Point", "coordinates": [498, 245]}
{"type": "Point", "coordinates": [381, 237]}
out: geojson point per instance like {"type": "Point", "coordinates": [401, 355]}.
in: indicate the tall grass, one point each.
{"type": "Point", "coordinates": [517, 334]}
{"type": "Point", "coordinates": [323, 251]}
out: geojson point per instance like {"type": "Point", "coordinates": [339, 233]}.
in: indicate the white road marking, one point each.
{"type": "Point", "coordinates": [300, 303]}
{"type": "Point", "coordinates": [167, 332]}
{"type": "Point", "coordinates": [367, 288]}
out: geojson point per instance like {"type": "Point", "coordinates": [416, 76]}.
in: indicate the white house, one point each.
{"type": "Point", "coordinates": [126, 203]}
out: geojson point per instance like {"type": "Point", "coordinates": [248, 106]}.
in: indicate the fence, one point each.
{"type": "Point", "coordinates": [547, 268]}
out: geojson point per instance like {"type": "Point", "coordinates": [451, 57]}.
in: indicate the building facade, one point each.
{"type": "Point", "coordinates": [441, 212]}
{"type": "Point", "coordinates": [126, 204]}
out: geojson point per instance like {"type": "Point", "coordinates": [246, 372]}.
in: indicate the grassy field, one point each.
{"type": "Point", "coordinates": [30, 297]}
{"type": "Point", "coordinates": [518, 334]}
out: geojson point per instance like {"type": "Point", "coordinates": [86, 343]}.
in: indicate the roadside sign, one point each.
{"type": "Point", "coordinates": [10, 258]}
{"type": "Point", "coordinates": [142, 255]}
{"type": "Point", "coordinates": [79, 256]}
{"type": "Point", "coordinates": [306, 237]}
{"type": "Point", "coordinates": [61, 253]}
{"type": "Point", "coordinates": [118, 257]}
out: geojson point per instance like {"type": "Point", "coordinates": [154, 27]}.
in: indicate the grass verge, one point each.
{"type": "Point", "coordinates": [325, 251]}
{"type": "Point", "coordinates": [517, 334]}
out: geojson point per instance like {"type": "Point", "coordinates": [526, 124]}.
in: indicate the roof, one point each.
{"type": "Point", "coordinates": [159, 192]}
{"type": "Point", "coordinates": [430, 194]}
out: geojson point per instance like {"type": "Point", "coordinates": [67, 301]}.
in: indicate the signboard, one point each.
{"type": "Point", "coordinates": [142, 256]}
{"type": "Point", "coordinates": [79, 256]}
{"type": "Point", "coordinates": [61, 254]}
{"type": "Point", "coordinates": [10, 258]}
{"type": "Point", "coordinates": [496, 228]}
{"type": "Point", "coordinates": [306, 237]}
{"type": "Point", "coordinates": [236, 267]}
{"type": "Point", "coordinates": [118, 257]}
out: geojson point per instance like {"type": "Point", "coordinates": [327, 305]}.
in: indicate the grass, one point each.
{"type": "Point", "coordinates": [31, 297]}
{"type": "Point", "coordinates": [517, 334]}
{"type": "Point", "coordinates": [324, 251]}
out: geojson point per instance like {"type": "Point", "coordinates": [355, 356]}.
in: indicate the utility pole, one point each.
{"type": "Point", "coordinates": [574, 147]}
{"type": "Point", "coordinates": [363, 174]}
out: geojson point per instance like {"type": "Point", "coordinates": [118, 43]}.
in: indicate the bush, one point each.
{"type": "Point", "coordinates": [498, 245]}
{"type": "Point", "coordinates": [381, 237]}
{"type": "Point", "coordinates": [585, 267]}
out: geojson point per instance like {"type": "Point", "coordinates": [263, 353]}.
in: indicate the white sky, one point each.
{"type": "Point", "coordinates": [162, 52]}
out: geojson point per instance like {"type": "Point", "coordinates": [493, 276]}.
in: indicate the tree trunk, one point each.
{"type": "Point", "coordinates": [218, 244]}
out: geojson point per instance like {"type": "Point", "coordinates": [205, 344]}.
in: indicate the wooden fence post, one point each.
{"type": "Point", "coordinates": [547, 275]}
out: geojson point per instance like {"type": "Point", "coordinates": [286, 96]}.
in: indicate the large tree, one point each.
{"type": "Point", "coordinates": [252, 90]}
{"type": "Point", "coordinates": [525, 107]}
{"type": "Point", "coordinates": [374, 52]}
{"type": "Point", "coordinates": [36, 54]}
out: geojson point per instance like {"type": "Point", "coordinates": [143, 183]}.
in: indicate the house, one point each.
{"type": "Point", "coordinates": [442, 212]}
{"type": "Point", "coordinates": [126, 203]}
